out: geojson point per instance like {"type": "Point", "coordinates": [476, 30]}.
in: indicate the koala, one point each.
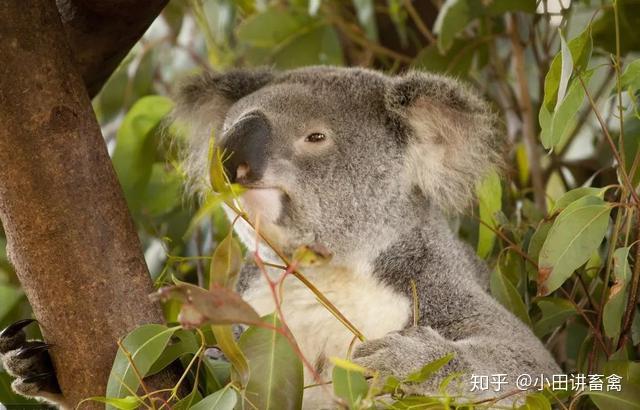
{"type": "Point", "coordinates": [369, 166]}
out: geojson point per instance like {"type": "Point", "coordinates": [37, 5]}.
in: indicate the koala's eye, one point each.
{"type": "Point", "coordinates": [315, 137]}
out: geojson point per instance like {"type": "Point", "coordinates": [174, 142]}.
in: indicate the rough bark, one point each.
{"type": "Point", "coordinates": [101, 33]}
{"type": "Point", "coordinates": [69, 233]}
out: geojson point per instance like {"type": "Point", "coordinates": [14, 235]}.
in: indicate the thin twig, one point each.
{"type": "Point", "coordinates": [413, 13]}
{"type": "Point", "coordinates": [633, 294]}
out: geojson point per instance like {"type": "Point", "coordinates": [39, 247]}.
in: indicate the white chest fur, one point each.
{"type": "Point", "coordinates": [375, 309]}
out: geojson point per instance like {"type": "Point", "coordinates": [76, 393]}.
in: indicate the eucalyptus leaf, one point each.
{"type": "Point", "coordinates": [490, 201]}
{"type": "Point", "coordinates": [271, 27]}
{"type": "Point", "coordinates": [226, 263]}
{"type": "Point", "coordinates": [575, 235]}
{"type": "Point", "coordinates": [555, 124]}
{"type": "Point", "coordinates": [630, 78]}
{"type": "Point", "coordinates": [319, 45]}
{"type": "Point", "coordinates": [349, 383]}
{"type": "Point", "coordinates": [453, 17]}
{"type": "Point", "coordinates": [218, 305]}
{"type": "Point", "coordinates": [428, 370]}
{"type": "Point", "coordinates": [573, 195]}
{"type": "Point", "coordinates": [618, 294]}
{"type": "Point", "coordinates": [181, 343]}
{"type": "Point", "coordinates": [276, 378]}
{"type": "Point", "coordinates": [125, 403]}
{"type": "Point", "coordinates": [135, 149]}
{"type": "Point", "coordinates": [555, 312]}
{"type": "Point", "coordinates": [144, 344]}
{"type": "Point", "coordinates": [504, 291]}
{"type": "Point", "coordinates": [580, 48]}
{"type": "Point", "coordinates": [224, 399]}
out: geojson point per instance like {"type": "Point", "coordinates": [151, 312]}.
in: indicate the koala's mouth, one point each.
{"type": "Point", "coordinates": [264, 202]}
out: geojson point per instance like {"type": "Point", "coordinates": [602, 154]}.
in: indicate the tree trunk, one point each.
{"type": "Point", "coordinates": [69, 233]}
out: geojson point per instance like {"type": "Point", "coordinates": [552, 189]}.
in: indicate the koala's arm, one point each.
{"type": "Point", "coordinates": [29, 362]}
{"type": "Point", "coordinates": [484, 338]}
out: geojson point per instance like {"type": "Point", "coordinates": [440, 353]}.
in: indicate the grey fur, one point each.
{"type": "Point", "coordinates": [401, 153]}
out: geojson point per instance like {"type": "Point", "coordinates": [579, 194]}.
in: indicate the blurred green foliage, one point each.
{"type": "Point", "coordinates": [559, 229]}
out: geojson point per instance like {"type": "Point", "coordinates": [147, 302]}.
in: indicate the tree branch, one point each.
{"type": "Point", "coordinates": [69, 232]}
{"type": "Point", "coordinates": [101, 33]}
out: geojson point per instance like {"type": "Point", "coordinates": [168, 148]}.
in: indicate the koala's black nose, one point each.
{"type": "Point", "coordinates": [246, 145]}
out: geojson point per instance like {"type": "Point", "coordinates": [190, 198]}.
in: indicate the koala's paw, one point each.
{"type": "Point", "coordinates": [401, 353]}
{"type": "Point", "coordinates": [28, 361]}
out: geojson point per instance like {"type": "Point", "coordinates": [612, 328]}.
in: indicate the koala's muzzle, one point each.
{"type": "Point", "coordinates": [247, 144]}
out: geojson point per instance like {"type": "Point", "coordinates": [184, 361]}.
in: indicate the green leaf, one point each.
{"type": "Point", "coordinates": [218, 374]}
{"type": "Point", "coordinates": [142, 82]}
{"type": "Point", "coordinates": [566, 69]}
{"type": "Point", "coordinates": [490, 201]}
{"type": "Point", "coordinates": [630, 78]}
{"type": "Point", "coordinates": [348, 383]}
{"type": "Point", "coordinates": [507, 294]}
{"type": "Point", "coordinates": [576, 233]}
{"type": "Point", "coordinates": [135, 150]}
{"type": "Point", "coordinates": [319, 46]}
{"type": "Point", "coordinates": [456, 61]}
{"type": "Point", "coordinates": [272, 27]}
{"type": "Point", "coordinates": [162, 193]}
{"type": "Point", "coordinates": [224, 399]}
{"type": "Point", "coordinates": [575, 194]}
{"type": "Point", "coordinates": [276, 378]}
{"type": "Point", "coordinates": [227, 343]}
{"type": "Point", "coordinates": [535, 245]}
{"type": "Point", "coordinates": [555, 124]}
{"type": "Point", "coordinates": [188, 401]}
{"type": "Point", "coordinates": [555, 312]}
{"type": "Point", "coordinates": [182, 343]}
{"type": "Point", "coordinates": [218, 305]}
{"type": "Point", "coordinates": [452, 19]}
{"type": "Point", "coordinates": [365, 10]}
{"type": "Point", "coordinates": [428, 370]}
{"type": "Point", "coordinates": [226, 263]}
{"type": "Point", "coordinates": [145, 345]}
{"type": "Point", "coordinates": [580, 48]}
{"type": "Point", "coordinates": [631, 141]}
{"type": "Point", "coordinates": [618, 294]}
{"type": "Point", "coordinates": [126, 403]}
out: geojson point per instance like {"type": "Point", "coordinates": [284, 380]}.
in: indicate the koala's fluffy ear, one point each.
{"type": "Point", "coordinates": [202, 103]}
{"type": "Point", "coordinates": [453, 140]}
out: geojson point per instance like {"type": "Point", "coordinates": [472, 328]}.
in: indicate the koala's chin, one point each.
{"type": "Point", "coordinates": [263, 205]}
{"type": "Point", "coordinates": [264, 208]}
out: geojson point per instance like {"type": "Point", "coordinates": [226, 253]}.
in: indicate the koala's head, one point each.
{"type": "Point", "coordinates": [339, 156]}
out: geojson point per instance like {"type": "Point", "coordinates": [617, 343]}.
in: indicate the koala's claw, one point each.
{"type": "Point", "coordinates": [12, 336]}
{"type": "Point", "coordinates": [32, 349]}
{"type": "Point", "coordinates": [28, 361]}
